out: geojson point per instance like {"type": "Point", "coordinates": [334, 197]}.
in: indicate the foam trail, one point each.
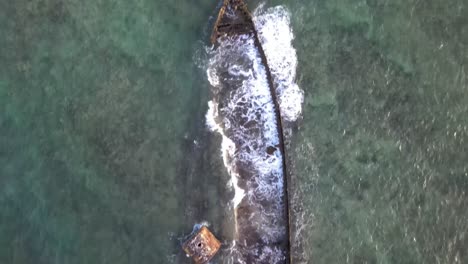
{"type": "Point", "coordinates": [274, 30]}
{"type": "Point", "coordinates": [242, 111]}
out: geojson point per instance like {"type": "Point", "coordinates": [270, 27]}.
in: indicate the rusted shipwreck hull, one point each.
{"type": "Point", "coordinates": [252, 245]}
{"type": "Point", "coordinates": [233, 19]}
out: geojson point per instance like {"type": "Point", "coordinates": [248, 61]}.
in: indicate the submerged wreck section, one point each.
{"type": "Point", "coordinates": [246, 111]}
{"type": "Point", "coordinates": [202, 246]}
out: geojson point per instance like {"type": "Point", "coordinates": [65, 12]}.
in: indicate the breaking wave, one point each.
{"type": "Point", "coordinates": [243, 112]}
{"type": "Point", "coordinates": [275, 33]}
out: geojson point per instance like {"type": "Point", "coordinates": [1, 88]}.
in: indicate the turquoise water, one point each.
{"type": "Point", "coordinates": [381, 153]}
{"type": "Point", "coordinates": [105, 158]}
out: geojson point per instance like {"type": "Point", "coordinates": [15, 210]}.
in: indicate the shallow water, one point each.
{"type": "Point", "coordinates": [105, 156]}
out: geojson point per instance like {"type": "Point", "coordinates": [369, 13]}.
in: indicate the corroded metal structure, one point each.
{"type": "Point", "coordinates": [202, 246]}
{"type": "Point", "coordinates": [234, 19]}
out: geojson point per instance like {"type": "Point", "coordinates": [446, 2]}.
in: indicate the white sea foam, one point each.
{"type": "Point", "coordinates": [228, 149]}
{"type": "Point", "coordinates": [242, 111]}
{"type": "Point", "coordinates": [275, 33]}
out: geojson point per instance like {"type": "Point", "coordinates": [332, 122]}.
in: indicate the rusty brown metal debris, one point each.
{"type": "Point", "coordinates": [202, 246]}
{"type": "Point", "coordinates": [233, 18]}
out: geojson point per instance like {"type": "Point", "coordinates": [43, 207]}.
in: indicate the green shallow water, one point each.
{"type": "Point", "coordinates": [101, 101]}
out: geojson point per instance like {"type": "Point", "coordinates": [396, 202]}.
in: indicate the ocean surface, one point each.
{"type": "Point", "coordinates": [106, 155]}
